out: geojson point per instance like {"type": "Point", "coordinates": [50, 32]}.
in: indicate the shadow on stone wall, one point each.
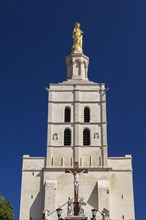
{"type": "Point", "coordinates": [38, 203]}
{"type": "Point", "coordinates": [93, 199]}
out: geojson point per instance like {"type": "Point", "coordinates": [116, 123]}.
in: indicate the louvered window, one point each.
{"type": "Point", "coordinates": [86, 137]}
{"type": "Point", "coordinates": [86, 114]}
{"type": "Point", "coordinates": [67, 137]}
{"type": "Point", "coordinates": [67, 114]}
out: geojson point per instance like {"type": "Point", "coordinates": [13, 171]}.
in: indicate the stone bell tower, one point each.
{"type": "Point", "coordinates": [77, 167]}
{"type": "Point", "coordinates": [77, 106]}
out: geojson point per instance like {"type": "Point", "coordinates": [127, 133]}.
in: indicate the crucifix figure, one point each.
{"type": "Point", "coordinates": [76, 172]}
{"type": "Point", "coordinates": [76, 179]}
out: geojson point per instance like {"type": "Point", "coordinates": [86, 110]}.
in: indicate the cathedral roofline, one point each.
{"type": "Point", "coordinates": [33, 157]}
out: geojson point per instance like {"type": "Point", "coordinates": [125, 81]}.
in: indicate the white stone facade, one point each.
{"type": "Point", "coordinates": [108, 183]}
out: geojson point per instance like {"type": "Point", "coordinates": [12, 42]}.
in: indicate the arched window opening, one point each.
{"type": "Point", "coordinates": [77, 68]}
{"type": "Point", "coordinates": [67, 137]}
{"type": "Point", "coordinates": [86, 114]}
{"type": "Point", "coordinates": [86, 137]}
{"type": "Point", "coordinates": [67, 114]}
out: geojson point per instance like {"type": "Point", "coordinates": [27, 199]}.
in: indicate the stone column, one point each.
{"type": "Point", "coordinates": [76, 124]}
{"type": "Point", "coordinates": [49, 135]}
{"type": "Point", "coordinates": [103, 124]}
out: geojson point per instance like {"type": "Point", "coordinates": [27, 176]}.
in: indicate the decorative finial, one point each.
{"type": "Point", "coordinates": [77, 35]}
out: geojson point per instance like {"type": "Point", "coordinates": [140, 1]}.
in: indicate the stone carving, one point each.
{"type": "Point", "coordinates": [70, 207]}
{"type": "Point", "coordinates": [76, 179]}
{"type": "Point", "coordinates": [82, 206]}
{"type": "Point", "coordinates": [55, 136]}
{"type": "Point", "coordinates": [77, 37]}
{"type": "Point", "coordinates": [96, 135]}
{"type": "Point", "coordinates": [45, 214]}
{"type": "Point", "coordinates": [105, 214]}
{"type": "Point", "coordinates": [51, 186]}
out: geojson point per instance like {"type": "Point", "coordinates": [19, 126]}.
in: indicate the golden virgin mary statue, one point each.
{"type": "Point", "coordinates": [77, 35]}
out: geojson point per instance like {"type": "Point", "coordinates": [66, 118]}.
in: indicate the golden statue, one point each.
{"type": "Point", "coordinates": [77, 37]}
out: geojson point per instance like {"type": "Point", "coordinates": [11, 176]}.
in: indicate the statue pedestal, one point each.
{"type": "Point", "coordinates": [76, 217]}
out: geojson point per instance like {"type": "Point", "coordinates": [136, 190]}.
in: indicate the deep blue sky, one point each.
{"type": "Point", "coordinates": [35, 38]}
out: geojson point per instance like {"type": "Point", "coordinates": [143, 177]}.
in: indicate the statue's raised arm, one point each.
{"type": "Point", "coordinates": [78, 38]}
{"type": "Point", "coordinates": [71, 172]}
